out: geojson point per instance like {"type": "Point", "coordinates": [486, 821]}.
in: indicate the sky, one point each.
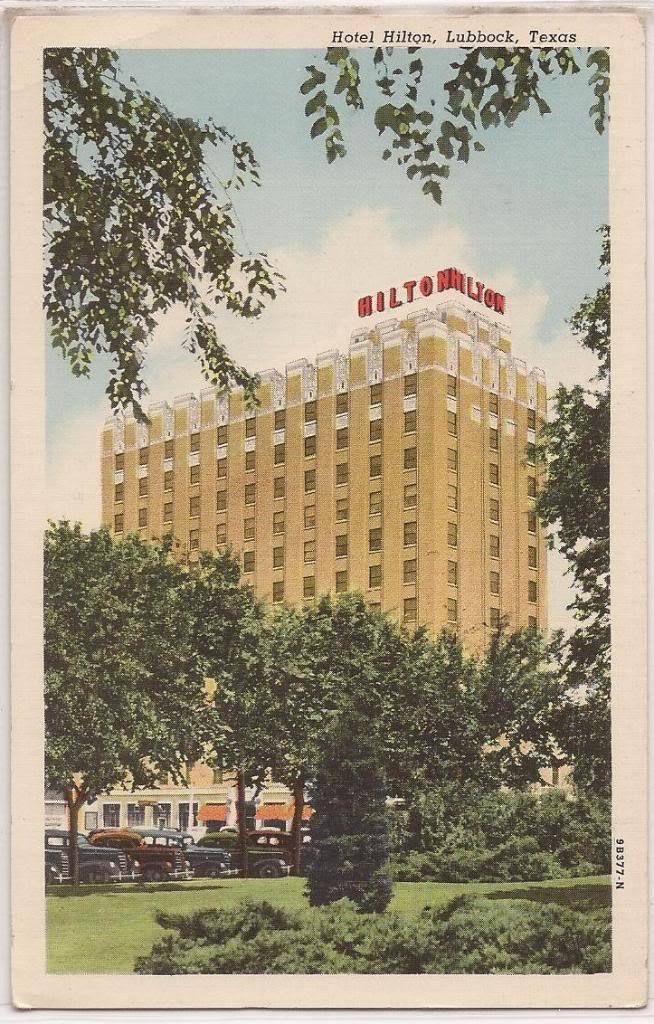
{"type": "Point", "coordinates": [522, 216]}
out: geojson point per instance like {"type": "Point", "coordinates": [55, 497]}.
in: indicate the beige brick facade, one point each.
{"type": "Point", "coordinates": [398, 470]}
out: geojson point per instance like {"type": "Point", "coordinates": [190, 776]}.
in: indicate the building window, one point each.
{"type": "Point", "coordinates": [410, 458]}
{"type": "Point", "coordinates": [119, 491]}
{"type": "Point", "coordinates": [531, 486]}
{"type": "Point", "coordinates": [251, 427]}
{"type": "Point", "coordinates": [310, 445]}
{"type": "Point", "coordinates": [169, 449]}
{"type": "Point", "coordinates": [375, 430]}
{"type": "Point", "coordinates": [494, 471]}
{"type": "Point", "coordinates": [342, 404]}
{"type": "Point", "coordinates": [494, 618]}
{"type": "Point", "coordinates": [342, 438]}
{"type": "Point", "coordinates": [194, 540]}
{"type": "Point", "coordinates": [119, 461]}
{"type": "Point", "coordinates": [452, 460]}
{"type": "Point", "coordinates": [143, 487]}
{"type": "Point", "coordinates": [135, 815]}
{"type": "Point", "coordinates": [221, 501]}
{"type": "Point", "coordinates": [221, 469]}
{"type": "Point", "coordinates": [278, 591]}
{"type": "Point", "coordinates": [341, 545]}
{"type": "Point", "coordinates": [309, 586]}
{"type": "Point", "coordinates": [375, 394]}
{"type": "Point", "coordinates": [451, 422]}
{"type": "Point", "coordinates": [280, 419]}
{"type": "Point", "coordinates": [451, 385]}
{"type": "Point", "coordinates": [309, 551]}
{"type": "Point", "coordinates": [410, 609]}
{"type": "Point", "coordinates": [531, 419]}
{"type": "Point", "coordinates": [144, 456]}
{"type": "Point", "coordinates": [118, 523]}
{"type": "Point", "coordinates": [531, 522]}
{"type": "Point", "coordinates": [452, 534]}
{"type": "Point", "coordinates": [279, 454]}
{"type": "Point", "coordinates": [341, 581]}
{"type": "Point", "coordinates": [309, 481]}
{"type": "Point", "coordinates": [375, 503]}
{"type": "Point", "coordinates": [250, 494]}
{"type": "Point", "coordinates": [452, 497]}
{"type": "Point", "coordinates": [195, 475]}
{"type": "Point", "coordinates": [90, 820]}
{"type": "Point", "coordinates": [410, 495]}
{"type": "Point", "coordinates": [410, 385]}
{"type": "Point", "coordinates": [374, 577]}
{"type": "Point", "coordinates": [194, 506]}
{"type": "Point", "coordinates": [278, 522]}
{"type": "Point", "coordinates": [341, 473]}
{"type": "Point", "coordinates": [533, 557]}
{"type": "Point", "coordinates": [168, 478]}
{"type": "Point", "coordinates": [375, 539]}
{"type": "Point", "coordinates": [111, 815]}
{"type": "Point", "coordinates": [168, 512]}
{"type": "Point", "coordinates": [221, 533]}
{"type": "Point", "coordinates": [221, 435]}
{"type": "Point", "coordinates": [248, 528]}
{"type": "Point", "coordinates": [195, 442]}
{"type": "Point", "coordinates": [410, 534]}
{"type": "Point", "coordinates": [410, 422]}
{"type": "Point", "coordinates": [374, 606]}
{"type": "Point", "coordinates": [410, 570]}
{"type": "Point", "coordinates": [494, 546]}
{"type": "Point", "coordinates": [248, 561]}
{"type": "Point", "coordinates": [452, 573]}
{"type": "Point", "coordinates": [533, 622]}
{"type": "Point", "coordinates": [250, 461]}
{"type": "Point", "coordinates": [309, 517]}
{"type": "Point", "coordinates": [143, 517]}
{"type": "Point", "coordinates": [279, 487]}
{"type": "Point", "coordinates": [493, 404]}
{"type": "Point", "coordinates": [494, 583]}
{"type": "Point", "coordinates": [494, 510]}
{"type": "Point", "coordinates": [342, 510]}
{"type": "Point", "coordinates": [493, 439]}
{"type": "Point", "coordinates": [310, 412]}
{"type": "Point", "coordinates": [375, 466]}
{"type": "Point", "coordinates": [278, 557]}
{"type": "Point", "coordinates": [452, 609]}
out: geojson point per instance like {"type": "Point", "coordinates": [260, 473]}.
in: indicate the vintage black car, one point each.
{"type": "Point", "coordinates": [206, 862]}
{"type": "Point", "coordinates": [263, 862]}
{"type": "Point", "coordinates": [95, 865]}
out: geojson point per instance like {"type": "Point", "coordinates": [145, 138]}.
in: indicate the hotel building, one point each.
{"type": "Point", "coordinates": [398, 470]}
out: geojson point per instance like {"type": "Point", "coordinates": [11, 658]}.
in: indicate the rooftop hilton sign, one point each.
{"type": "Point", "coordinates": [442, 281]}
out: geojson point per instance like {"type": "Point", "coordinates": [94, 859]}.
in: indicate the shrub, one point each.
{"type": "Point", "coordinates": [470, 935]}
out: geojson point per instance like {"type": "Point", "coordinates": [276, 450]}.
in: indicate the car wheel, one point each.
{"type": "Point", "coordinates": [212, 871]}
{"type": "Point", "coordinates": [153, 875]}
{"type": "Point", "coordinates": [269, 869]}
{"type": "Point", "coordinates": [95, 876]}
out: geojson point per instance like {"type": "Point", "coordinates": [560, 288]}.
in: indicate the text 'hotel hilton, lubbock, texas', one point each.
{"type": "Point", "coordinates": [398, 470]}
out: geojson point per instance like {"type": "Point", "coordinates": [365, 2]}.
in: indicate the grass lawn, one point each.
{"type": "Point", "coordinates": [102, 929]}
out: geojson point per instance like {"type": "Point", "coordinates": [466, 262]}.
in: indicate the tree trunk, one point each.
{"type": "Point", "coordinates": [74, 799]}
{"type": "Point", "coordinates": [296, 824]}
{"type": "Point", "coordinates": [242, 825]}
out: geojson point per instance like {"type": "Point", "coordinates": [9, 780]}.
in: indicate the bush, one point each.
{"type": "Point", "coordinates": [470, 935]}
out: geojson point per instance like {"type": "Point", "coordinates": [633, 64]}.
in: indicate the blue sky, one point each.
{"type": "Point", "coordinates": [523, 214]}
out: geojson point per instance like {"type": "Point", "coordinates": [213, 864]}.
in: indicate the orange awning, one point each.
{"type": "Point", "coordinates": [213, 812]}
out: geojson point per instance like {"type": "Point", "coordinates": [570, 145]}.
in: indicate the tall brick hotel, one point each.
{"type": "Point", "coordinates": [398, 470]}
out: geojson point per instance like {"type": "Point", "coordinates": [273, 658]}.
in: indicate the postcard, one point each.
{"type": "Point", "coordinates": [328, 510]}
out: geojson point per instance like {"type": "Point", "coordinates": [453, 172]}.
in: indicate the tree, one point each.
{"type": "Point", "coordinates": [350, 841]}
{"type": "Point", "coordinates": [136, 221]}
{"type": "Point", "coordinates": [574, 503]}
{"type": "Point", "coordinates": [125, 701]}
{"type": "Point", "coordinates": [231, 632]}
{"type": "Point", "coordinates": [492, 86]}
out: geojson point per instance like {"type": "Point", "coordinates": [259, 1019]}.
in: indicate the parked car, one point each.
{"type": "Point", "coordinates": [262, 863]}
{"type": "Point", "coordinates": [159, 863]}
{"type": "Point", "coordinates": [96, 865]}
{"type": "Point", "coordinates": [206, 861]}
